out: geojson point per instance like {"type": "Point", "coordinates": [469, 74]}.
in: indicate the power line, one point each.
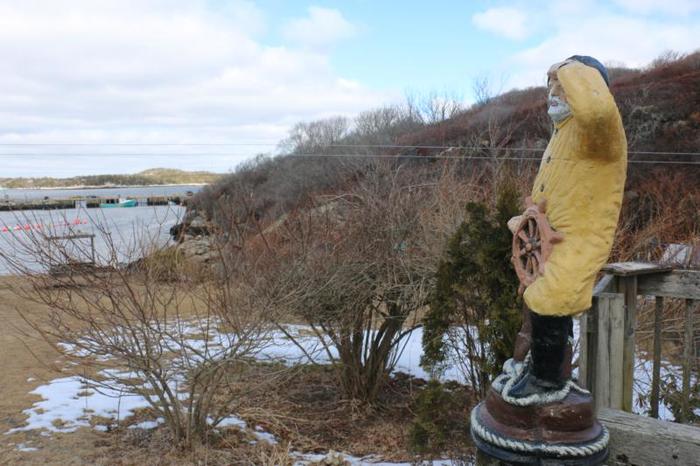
{"type": "Point", "coordinates": [376, 156]}
{"type": "Point", "coordinates": [251, 144]}
{"type": "Point", "coordinates": [493, 159]}
{"type": "Point", "coordinates": [513, 149]}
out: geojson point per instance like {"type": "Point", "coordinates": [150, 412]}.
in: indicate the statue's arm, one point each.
{"type": "Point", "coordinates": [565, 288]}
{"type": "Point", "coordinates": [594, 109]}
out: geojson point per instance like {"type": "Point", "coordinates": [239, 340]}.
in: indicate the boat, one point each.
{"type": "Point", "coordinates": [120, 203]}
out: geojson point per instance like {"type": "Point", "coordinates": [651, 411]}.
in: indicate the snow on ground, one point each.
{"type": "Point", "coordinates": [670, 374]}
{"type": "Point", "coordinates": [305, 459]}
{"type": "Point", "coordinates": [25, 447]}
{"type": "Point", "coordinates": [70, 402]}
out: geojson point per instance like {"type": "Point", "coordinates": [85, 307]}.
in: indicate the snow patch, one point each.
{"type": "Point", "coordinates": [25, 447]}
{"type": "Point", "coordinates": [62, 409]}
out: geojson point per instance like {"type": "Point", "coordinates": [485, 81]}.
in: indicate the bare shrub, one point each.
{"type": "Point", "coordinates": [663, 207]}
{"type": "Point", "coordinates": [357, 269]}
{"type": "Point", "coordinates": [176, 343]}
{"type": "Point", "coordinates": [309, 137]}
{"type": "Point", "coordinates": [433, 107]}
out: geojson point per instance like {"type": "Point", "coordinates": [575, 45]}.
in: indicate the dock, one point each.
{"type": "Point", "coordinates": [89, 202]}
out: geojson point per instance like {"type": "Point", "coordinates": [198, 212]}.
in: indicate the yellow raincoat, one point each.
{"type": "Point", "coordinates": [582, 177]}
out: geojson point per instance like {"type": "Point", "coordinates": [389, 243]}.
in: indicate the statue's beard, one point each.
{"type": "Point", "coordinates": [558, 109]}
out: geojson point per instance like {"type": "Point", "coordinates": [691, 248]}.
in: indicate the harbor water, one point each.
{"type": "Point", "coordinates": [127, 231]}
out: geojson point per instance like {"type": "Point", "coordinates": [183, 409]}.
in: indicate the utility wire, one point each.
{"type": "Point", "coordinates": [251, 144]}
{"type": "Point", "coordinates": [376, 156]}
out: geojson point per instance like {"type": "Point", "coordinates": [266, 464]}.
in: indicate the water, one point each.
{"type": "Point", "coordinates": [126, 230]}
{"type": "Point", "coordinates": [138, 192]}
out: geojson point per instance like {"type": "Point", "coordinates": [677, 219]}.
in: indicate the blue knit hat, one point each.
{"type": "Point", "coordinates": [593, 63]}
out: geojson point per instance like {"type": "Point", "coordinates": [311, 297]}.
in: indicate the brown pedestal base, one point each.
{"type": "Point", "coordinates": [553, 428]}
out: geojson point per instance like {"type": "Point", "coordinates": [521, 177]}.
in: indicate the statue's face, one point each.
{"type": "Point", "coordinates": [557, 107]}
{"type": "Point", "coordinates": [553, 84]}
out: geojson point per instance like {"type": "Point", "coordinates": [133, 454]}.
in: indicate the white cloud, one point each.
{"type": "Point", "coordinates": [671, 7]}
{"type": "Point", "coordinates": [322, 28]}
{"type": "Point", "coordinates": [84, 71]}
{"type": "Point", "coordinates": [504, 21]}
{"type": "Point", "coordinates": [632, 40]}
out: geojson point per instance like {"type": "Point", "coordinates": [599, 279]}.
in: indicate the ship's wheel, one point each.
{"type": "Point", "coordinates": [533, 241]}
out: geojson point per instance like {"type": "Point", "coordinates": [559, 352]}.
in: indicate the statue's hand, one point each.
{"type": "Point", "coordinates": [552, 72]}
{"type": "Point", "coordinates": [514, 222]}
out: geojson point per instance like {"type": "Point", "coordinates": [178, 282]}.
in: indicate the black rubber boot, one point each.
{"type": "Point", "coordinates": [550, 336]}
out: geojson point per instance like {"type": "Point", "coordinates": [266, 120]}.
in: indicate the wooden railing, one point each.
{"type": "Point", "coordinates": [608, 332]}
{"type": "Point", "coordinates": [607, 362]}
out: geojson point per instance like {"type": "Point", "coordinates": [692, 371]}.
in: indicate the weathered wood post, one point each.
{"type": "Point", "coordinates": [688, 358]}
{"type": "Point", "coordinates": [636, 439]}
{"type": "Point", "coordinates": [602, 349]}
{"type": "Point", "coordinates": [627, 286]}
{"type": "Point", "coordinates": [656, 370]}
{"type": "Point", "coordinates": [606, 365]}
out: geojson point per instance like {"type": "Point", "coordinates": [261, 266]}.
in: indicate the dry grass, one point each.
{"type": "Point", "coordinates": [308, 411]}
{"type": "Point", "coordinates": [305, 410]}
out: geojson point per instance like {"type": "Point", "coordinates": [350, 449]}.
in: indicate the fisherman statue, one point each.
{"type": "Point", "coordinates": [534, 412]}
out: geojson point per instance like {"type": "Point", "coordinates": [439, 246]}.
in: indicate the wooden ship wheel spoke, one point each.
{"type": "Point", "coordinates": [533, 242]}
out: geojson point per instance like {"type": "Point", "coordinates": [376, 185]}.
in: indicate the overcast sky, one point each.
{"type": "Point", "coordinates": [242, 72]}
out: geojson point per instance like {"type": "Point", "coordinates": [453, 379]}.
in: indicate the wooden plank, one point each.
{"type": "Point", "coordinates": [688, 358]}
{"type": "Point", "coordinates": [588, 346]}
{"type": "Point", "coordinates": [601, 393]}
{"type": "Point", "coordinates": [604, 285]}
{"type": "Point", "coordinates": [628, 269]}
{"type": "Point", "coordinates": [592, 328]}
{"type": "Point", "coordinates": [616, 342]}
{"type": "Point", "coordinates": [656, 370]}
{"type": "Point", "coordinates": [583, 340]}
{"type": "Point", "coordinates": [683, 284]}
{"type": "Point", "coordinates": [645, 441]}
{"type": "Point", "coordinates": [628, 287]}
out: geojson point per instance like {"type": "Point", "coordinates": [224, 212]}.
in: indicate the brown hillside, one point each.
{"type": "Point", "coordinates": [660, 107]}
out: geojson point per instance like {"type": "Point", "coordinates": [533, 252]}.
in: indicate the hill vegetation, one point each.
{"type": "Point", "coordinates": [153, 176]}
{"type": "Point", "coordinates": [498, 134]}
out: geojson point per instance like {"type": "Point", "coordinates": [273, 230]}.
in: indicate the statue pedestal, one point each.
{"type": "Point", "coordinates": [551, 428]}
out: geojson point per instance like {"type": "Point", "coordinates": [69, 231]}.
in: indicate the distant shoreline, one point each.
{"type": "Point", "coordinates": [107, 186]}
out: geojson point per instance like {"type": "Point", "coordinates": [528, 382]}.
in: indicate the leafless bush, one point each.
{"type": "Point", "coordinates": [307, 137]}
{"type": "Point", "coordinates": [433, 107]}
{"type": "Point", "coordinates": [384, 124]}
{"type": "Point", "coordinates": [663, 207]}
{"type": "Point", "coordinates": [357, 268]}
{"type": "Point", "coordinates": [176, 343]}
{"type": "Point", "coordinates": [666, 57]}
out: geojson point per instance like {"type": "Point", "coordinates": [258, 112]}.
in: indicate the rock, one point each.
{"type": "Point", "coordinates": [193, 224]}
{"type": "Point", "coordinates": [195, 247]}
{"type": "Point", "coordinates": [197, 222]}
{"type": "Point", "coordinates": [197, 250]}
